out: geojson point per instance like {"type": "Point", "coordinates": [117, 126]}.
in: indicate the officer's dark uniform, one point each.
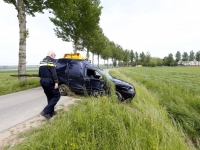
{"type": "Point", "coordinates": [48, 78]}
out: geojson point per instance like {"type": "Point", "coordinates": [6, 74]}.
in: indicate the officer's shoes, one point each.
{"type": "Point", "coordinates": [53, 113]}
{"type": "Point", "coordinates": [47, 116]}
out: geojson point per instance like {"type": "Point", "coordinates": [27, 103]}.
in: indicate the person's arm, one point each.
{"type": "Point", "coordinates": [54, 76]}
{"type": "Point", "coordinates": [39, 73]}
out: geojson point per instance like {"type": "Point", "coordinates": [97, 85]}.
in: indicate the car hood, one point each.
{"type": "Point", "coordinates": [122, 83]}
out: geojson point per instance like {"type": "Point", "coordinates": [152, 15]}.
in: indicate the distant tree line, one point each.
{"type": "Point", "coordinates": [179, 58]}
{"type": "Point", "coordinates": [126, 57]}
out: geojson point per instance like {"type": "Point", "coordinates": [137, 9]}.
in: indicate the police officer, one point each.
{"type": "Point", "coordinates": [49, 83]}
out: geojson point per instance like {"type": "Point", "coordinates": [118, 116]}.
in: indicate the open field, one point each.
{"type": "Point", "coordinates": [10, 84]}
{"type": "Point", "coordinates": [164, 115]}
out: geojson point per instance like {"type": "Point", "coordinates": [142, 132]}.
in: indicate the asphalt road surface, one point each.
{"type": "Point", "coordinates": [18, 107]}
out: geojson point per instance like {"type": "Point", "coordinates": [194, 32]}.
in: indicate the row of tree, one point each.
{"type": "Point", "coordinates": [170, 60]}
{"type": "Point", "coordinates": [77, 21]}
{"type": "Point", "coordinates": [185, 57]}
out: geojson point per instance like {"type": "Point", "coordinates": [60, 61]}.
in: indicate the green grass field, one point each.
{"type": "Point", "coordinates": [176, 89]}
{"type": "Point", "coordinates": [164, 115]}
{"type": "Point", "coordinates": [10, 84]}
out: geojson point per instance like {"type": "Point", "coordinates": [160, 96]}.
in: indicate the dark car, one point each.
{"type": "Point", "coordinates": [81, 77]}
{"type": "Point", "coordinates": [125, 89]}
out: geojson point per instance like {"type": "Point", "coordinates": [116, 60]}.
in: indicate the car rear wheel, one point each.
{"type": "Point", "coordinates": [118, 96]}
{"type": "Point", "coordinates": [64, 89]}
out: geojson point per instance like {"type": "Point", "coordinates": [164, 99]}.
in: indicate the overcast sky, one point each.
{"type": "Point", "coordinates": [158, 26]}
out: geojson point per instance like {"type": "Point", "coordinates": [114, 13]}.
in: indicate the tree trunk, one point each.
{"type": "Point", "coordinates": [112, 60]}
{"type": "Point", "coordinates": [98, 60]}
{"type": "Point", "coordinates": [88, 55]}
{"type": "Point", "coordinates": [22, 40]}
{"type": "Point", "coordinates": [75, 43]}
{"type": "Point", "coordinates": [92, 58]}
{"type": "Point", "coordinates": [74, 46]}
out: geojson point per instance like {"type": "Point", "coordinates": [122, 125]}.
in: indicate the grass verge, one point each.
{"type": "Point", "coordinates": [10, 84]}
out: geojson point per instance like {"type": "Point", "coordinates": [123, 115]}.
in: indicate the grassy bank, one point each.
{"type": "Point", "coordinates": [161, 117]}
{"type": "Point", "coordinates": [177, 90]}
{"type": "Point", "coordinates": [98, 123]}
{"type": "Point", "coordinates": [10, 84]}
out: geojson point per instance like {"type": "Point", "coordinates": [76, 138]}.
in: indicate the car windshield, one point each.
{"type": "Point", "coordinates": [105, 73]}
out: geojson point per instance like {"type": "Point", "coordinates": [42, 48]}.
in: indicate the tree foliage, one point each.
{"type": "Point", "coordinates": [178, 56]}
{"type": "Point", "coordinates": [185, 56]}
{"type": "Point", "coordinates": [126, 54]}
{"type": "Point", "coordinates": [148, 57]}
{"type": "Point", "coordinates": [75, 19]}
{"type": "Point", "coordinates": [192, 56]}
{"type": "Point", "coordinates": [168, 61]}
{"type": "Point", "coordinates": [136, 57]}
{"type": "Point", "coordinates": [98, 43]}
{"type": "Point", "coordinates": [107, 52]}
{"type": "Point", "coordinates": [198, 56]}
{"type": "Point", "coordinates": [132, 56]}
{"type": "Point", "coordinates": [142, 58]}
{"type": "Point", "coordinates": [30, 6]}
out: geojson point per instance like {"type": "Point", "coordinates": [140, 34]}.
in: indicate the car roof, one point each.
{"type": "Point", "coordinates": [89, 66]}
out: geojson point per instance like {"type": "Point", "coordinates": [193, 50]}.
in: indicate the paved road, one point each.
{"type": "Point", "coordinates": [20, 106]}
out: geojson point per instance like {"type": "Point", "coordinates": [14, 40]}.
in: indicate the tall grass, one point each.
{"type": "Point", "coordinates": [10, 84]}
{"type": "Point", "coordinates": [98, 123]}
{"type": "Point", "coordinates": [177, 91]}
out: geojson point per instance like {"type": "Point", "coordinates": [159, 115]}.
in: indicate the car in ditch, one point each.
{"type": "Point", "coordinates": [80, 76]}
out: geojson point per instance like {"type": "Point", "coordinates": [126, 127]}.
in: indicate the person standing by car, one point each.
{"type": "Point", "coordinates": [49, 83]}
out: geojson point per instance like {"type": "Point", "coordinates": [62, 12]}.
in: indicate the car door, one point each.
{"type": "Point", "coordinates": [75, 80]}
{"type": "Point", "coordinates": [93, 81]}
{"type": "Point", "coordinates": [62, 70]}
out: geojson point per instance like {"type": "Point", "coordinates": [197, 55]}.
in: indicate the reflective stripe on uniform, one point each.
{"type": "Point", "coordinates": [47, 64]}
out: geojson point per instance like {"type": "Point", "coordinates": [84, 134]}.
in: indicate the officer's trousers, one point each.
{"type": "Point", "coordinates": [53, 95]}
